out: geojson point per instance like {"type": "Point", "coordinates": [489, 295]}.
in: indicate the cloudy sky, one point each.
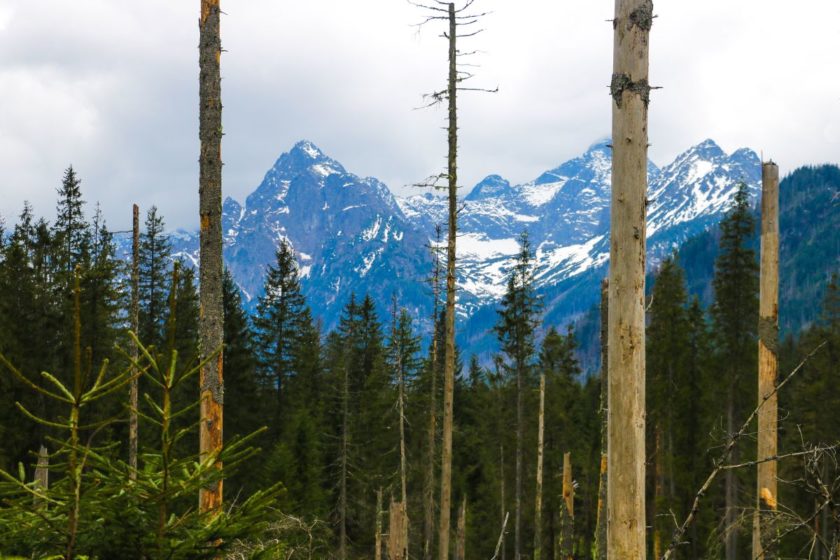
{"type": "Point", "coordinates": [111, 87]}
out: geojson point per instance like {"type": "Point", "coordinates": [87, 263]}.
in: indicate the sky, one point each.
{"type": "Point", "coordinates": [111, 87]}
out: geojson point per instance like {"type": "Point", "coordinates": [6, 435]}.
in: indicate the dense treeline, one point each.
{"type": "Point", "coordinates": [331, 400]}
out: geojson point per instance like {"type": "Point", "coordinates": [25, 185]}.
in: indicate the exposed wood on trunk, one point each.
{"type": "Point", "coordinates": [449, 351]}
{"type": "Point", "coordinates": [517, 488]}
{"type": "Point", "coordinates": [377, 537]}
{"type": "Point", "coordinates": [133, 391]}
{"type": "Point", "coordinates": [210, 265]}
{"type": "Point", "coordinates": [567, 548]}
{"type": "Point", "coordinates": [601, 521]}
{"type": "Point", "coordinates": [461, 532]}
{"type": "Point", "coordinates": [538, 494]}
{"type": "Point", "coordinates": [501, 542]}
{"type": "Point", "coordinates": [768, 326]}
{"type": "Point", "coordinates": [42, 475]}
{"type": "Point", "coordinates": [626, 443]}
{"type": "Point", "coordinates": [398, 531]}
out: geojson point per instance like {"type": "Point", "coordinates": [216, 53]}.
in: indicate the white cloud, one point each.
{"type": "Point", "coordinates": [112, 87]}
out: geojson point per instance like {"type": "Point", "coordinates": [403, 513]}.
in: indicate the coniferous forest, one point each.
{"type": "Point", "coordinates": [688, 415]}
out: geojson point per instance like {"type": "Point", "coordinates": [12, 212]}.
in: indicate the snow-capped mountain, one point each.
{"type": "Point", "coordinates": [352, 235]}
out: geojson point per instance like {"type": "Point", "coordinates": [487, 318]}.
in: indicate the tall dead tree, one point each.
{"type": "Point", "coordinates": [431, 434]}
{"type": "Point", "coordinates": [397, 531]}
{"type": "Point", "coordinates": [133, 391]}
{"type": "Point", "coordinates": [457, 18]}
{"type": "Point", "coordinates": [630, 92]}
{"type": "Point", "coordinates": [399, 366]}
{"type": "Point", "coordinates": [768, 337]}
{"type": "Point", "coordinates": [538, 495]}
{"type": "Point", "coordinates": [601, 521]}
{"type": "Point", "coordinates": [461, 532]}
{"type": "Point", "coordinates": [345, 449]}
{"type": "Point", "coordinates": [567, 505]}
{"type": "Point", "coordinates": [210, 243]}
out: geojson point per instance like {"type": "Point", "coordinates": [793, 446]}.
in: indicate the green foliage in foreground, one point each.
{"type": "Point", "coordinates": [94, 506]}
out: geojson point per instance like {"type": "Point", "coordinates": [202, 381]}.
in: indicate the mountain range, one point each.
{"type": "Point", "coordinates": [352, 235]}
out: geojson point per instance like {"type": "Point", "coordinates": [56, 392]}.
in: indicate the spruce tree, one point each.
{"type": "Point", "coordinates": [155, 251]}
{"type": "Point", "coordinates": [279, 325]}
{"type": "Point", "coordinates": [70, 229]}
{"type": "Point", "coordinates": [735, 315]}
{"type": "Point", "coordinates": [516, 333]}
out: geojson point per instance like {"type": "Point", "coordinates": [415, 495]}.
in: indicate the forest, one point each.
{"type": "Point", "coordinates": [673, 421]}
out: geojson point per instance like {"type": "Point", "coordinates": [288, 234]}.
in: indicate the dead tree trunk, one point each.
{"type": "Point", "coordinates": [658, 490]}
{"type": "Point", "coordinates": [626, 444]}
{"type": "Point", "coordinates": [601, 521]}
{"type": "Point", "coordinates": [730, 486]}
{"type": "Point", "coordinates": [461, 532]}
{"type": "Point", "coordinates": [210, 266]}
{"type": "Point", "coordinates": [133, 391]}
{"type": "Point", "coordinates": [449, 351]}
{"type": "Point", "coordinates": [539, 491]}
{"type": "Point", "coordinates": [768, 329]}
{"type": "Point", "coordinates": [431, 458]}
{"type": "Point", "coordinates": [377, 536]}
{"type": "Point", "coordinates": [504, 512]}
{"type": "Point", "coordinates": [517, 528]}
{"type": "Point", "coordinates": [567, 549]}
{"type": "Point", "coordinates": [42, 476]}
{"type": "Point", "coordinates": [397, 532]}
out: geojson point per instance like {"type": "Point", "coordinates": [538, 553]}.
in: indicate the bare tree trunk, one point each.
{"type": "Point", "coordinates": [658, 490]}
{"type": "Point", "coordinates": [601, 521]}
{"type": "Point", "coordinates": [42, 476]}
{"type": "Point", "coordinates": [539, 491]}
{"type": "Point", "coordinates": [133, 391]}
{"type": "Point", "coordinates": [377, 537]}
{"type": "Point", "coordinates": [342, 492]}
{"type": "Point", "coordinates": [503, 498]}
{"type": "Point", "coordinates": [429, 490]}
{"type": "Point", "coordinates": [449, 352]}
{"type": "Point", "coordinates": [768, 336]}
{"type": "Point", "coordinates": [461, 532]}
{"type": "Point", "coordinates": [568, 509]}
{"type": "Point", "coordinates": [397, 532]}
{"type": "Point", "coordinates": [626, 444]}
{"type": "Point", "coordinates": [210, 266]}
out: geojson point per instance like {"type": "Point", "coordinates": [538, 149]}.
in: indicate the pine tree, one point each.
{"type": "Point", "coordinates": [155, 250]}
{"type": "Point", "coordinates": [667, 350]}
{"type": "Point", "coordinates": [280, 324]}
{"type": "Point", "coordinates": [516, 333]}
{"type": "Point", "coordinates": [735, 314]}
{"type": "Point", "coordinates": [70, 229]}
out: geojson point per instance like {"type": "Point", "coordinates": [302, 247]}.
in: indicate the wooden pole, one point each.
{"type": "Point", "coordinates": [210, 246]}
{"type": "Point", "coordinates": [601, 522]}
{"type": "Point", "coordinates": [133, 391]}
{"type": "Point", "coordinates": [626, 335]}
{"type": "Point", "coordinates": [449, 347]}
{"type": "Point", "coordinates": [768, 336]}
{"type": "Point", "coordinates": [540, 449]}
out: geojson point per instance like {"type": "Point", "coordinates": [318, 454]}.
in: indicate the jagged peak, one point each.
{"type": "Point", "coordinates": [492, 185]}
{"type": "Point", "coordinates": [308, 149]}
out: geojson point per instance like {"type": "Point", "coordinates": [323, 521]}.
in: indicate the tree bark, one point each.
{"type": "Point", "coordinates": [429, 490]}
{"type": "Point", "coordinates": [730, 486]}
{"type": "Point", "coordinates": [377, 537]}
{"type": "Point", "coordinates": [461, 532]}
{"type": "Point", "coordinates": [539, 491]}
{"type": "Point", "coordinates": [133, 391]}
{"type": "Point", "coordinates": [398, 532]}
{"type": "Point", "coordinates": [502, 497]}
{"type": "Point", "coordinates": [449, 351]}
{"type": "Point", "coordinates": [568, 520]}
{"type": "Point", "coordinates": [626, 441]}
{"type": "Point", "coordinates": [601, 521]}
{"type": "Point", "coordinates": [210, 266]}
{"type": "Point", "coordinates": [768, 327]}
{"type": "Point", "coordinates": [517, 543]}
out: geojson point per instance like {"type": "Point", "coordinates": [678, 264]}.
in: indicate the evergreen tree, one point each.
{"type": "Point", "coordinates": [515, 331]}
{"type": "Point", "coordinates": [280, 323]}
{"type": "Point", "coordinates": [71, 231]}
{"type": "Point", "coordinates": [155, 250]}
{"type": "Point", "coordinates": [735, 315]}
